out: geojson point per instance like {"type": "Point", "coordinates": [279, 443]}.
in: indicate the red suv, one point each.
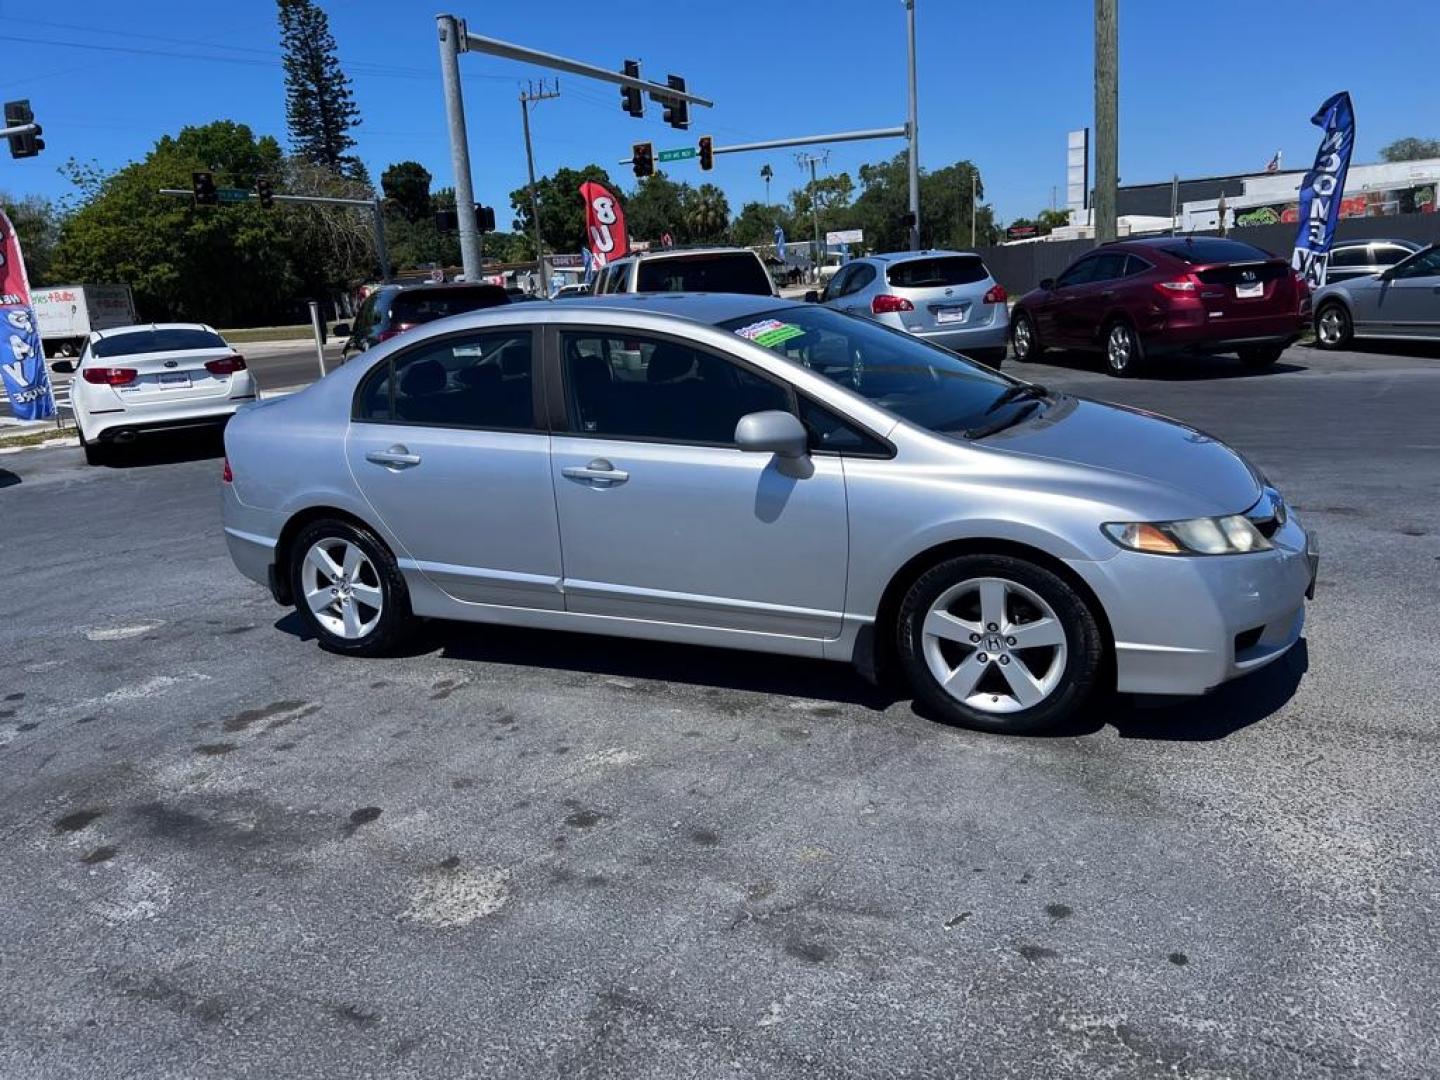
{"type": "Point", "coordinates": [1139, 298]}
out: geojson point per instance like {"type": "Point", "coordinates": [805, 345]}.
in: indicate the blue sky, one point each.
{"type": "Point", "coordinates": [1205, 88]}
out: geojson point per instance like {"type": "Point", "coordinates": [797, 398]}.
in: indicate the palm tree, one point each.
{"type": "Point", "coordinates": [765, 174]}
{"type": "Point", "coordinates": [707, 213]}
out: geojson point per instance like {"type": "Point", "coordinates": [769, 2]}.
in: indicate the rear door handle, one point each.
{"type": "Point", "coordinates": [599, 473]}
{"type": "Point", "coordinates": [397, 457]}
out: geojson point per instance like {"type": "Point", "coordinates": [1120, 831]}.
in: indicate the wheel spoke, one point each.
{"type": "Point", "coordinates": [368, 595]}
{"type": "Point", "coordinates": [319, 559]}
{"type": "Point", "coordinates": [351, 618]}
{"type": "Point", "coordinates": [1023, 685]}
{"type": "Point", "coordinates": [1034, 635]}
{"type": "Point", "coordinates": [319, 600]}
{"type": "Point", "coordinates": [353, 558]}
{"type": "Point", "coordinates": [950, 627]}
{"type": "Point", "coordinates": [992, 602]}
{"type": "Point", "coordinates": [962, 680]}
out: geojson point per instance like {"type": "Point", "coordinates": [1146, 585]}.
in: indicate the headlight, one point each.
{"type": "Point", "coordinates": [1230, 535]}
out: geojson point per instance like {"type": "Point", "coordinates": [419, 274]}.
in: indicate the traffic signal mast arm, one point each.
{"type": "Point", "coordinates": [803, 140]}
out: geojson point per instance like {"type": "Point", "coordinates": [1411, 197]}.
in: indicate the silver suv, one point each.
{"type": "Point", "coordinates": [693, 270]}
{"type": "Point", "coordinates": [948, 298]}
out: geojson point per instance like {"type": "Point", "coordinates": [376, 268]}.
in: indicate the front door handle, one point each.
{"type": "Point", "coordinates": [599, 473]}
{"type": "Point", "coordinates": [397, 457]}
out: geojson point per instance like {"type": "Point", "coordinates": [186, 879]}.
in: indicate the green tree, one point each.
{"type": "Point", "coordinates": [756, 223]}
{"type": "Point", "coordinates": [945, 206]}
{"type": "Point", "coordinates": [562, 211]}
{"type": "Point", "coordinates": [319, 107]}
{"type": "Point", "coordinates": [1410, 149]}
{"type": "Point", "coordinates": [706, 214]}
{"type": "Point", "coordinates": [655, 207]}
{"type": "Point", "coordinates": [406, 185]}
{"type": "Point", "coordinates": [37, 224]}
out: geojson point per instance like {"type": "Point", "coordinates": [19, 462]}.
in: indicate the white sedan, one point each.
{"type": "Point", "coordinates": [136, 379]}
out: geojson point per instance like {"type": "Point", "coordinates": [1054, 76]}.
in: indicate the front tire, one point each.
{"type": "Point", "coordinates": [348, 589]}
{"type": "Point", "coordinates": [1024, 341]}
{"type": "Point", "coordinates": [998, 644]}
{"type": "Point", "coordinates": [1124, 354]}
{"type": "Point", "coordinates": [1333, 328]}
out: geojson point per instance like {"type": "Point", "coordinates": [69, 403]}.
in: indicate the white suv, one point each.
{"type": "Point", "coordinates": [691, 270]}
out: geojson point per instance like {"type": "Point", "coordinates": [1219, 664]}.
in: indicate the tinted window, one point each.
{"type": "Point", "coordinates": [1109, 266]}
{"type": "Point", "coordinates": [921, 383]}
{"type": "Point", "coordinates": [861, 276]}
{"type": "Point", "coordinates": [724, 273]}
{"type": "Point", "coordinates": [1389, 254]}
{"type": "Point", "coordinates": [414, 306]}
{"type": "Point", "coordinates": [837, 283]}
{"type": "Point", "coordinates": [830, 432]}
{"type": "Point", "coordinates": [1078, 274]}
{"type": "Point", "coordinates": [1208, 250]}
{"type": "Point", "coordinates": [933, 273]}
{"type": "Point", "coordinates": [1135, 265]}
{"type": "Point", "coordinates": [144, 341]}
{"type": "Point", "coordinates": [1422, 265]}
{"type": "Point", "coordinates": [479, 381]}
{"type": "Point", "coordinates": [1351, 256]}
{"type": "Point", "coordinates": [655, 389]}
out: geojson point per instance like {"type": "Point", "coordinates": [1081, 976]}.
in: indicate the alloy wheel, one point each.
{"type": "Point", "coordinates": [1024, 338]}
{"type": "Point", "coordinates": [342, 588]}
{"type": "Point", "coordinates": [994, 645]}
{"type": "Point", "coordinates": [1332, 327]}
{"type": "Point", "coordinates": [1119, 347]}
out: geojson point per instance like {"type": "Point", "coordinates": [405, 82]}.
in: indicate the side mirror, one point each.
{"type": "Point", "coordinates": [342, 329]}
{"type": "Point", "coordinates": [812, 297]}
{"type": "Point", "coordinates": [772, 432]}
{"type": "Point", "coordinates": [63, 367]}
{"type": "Point", "coordinates": [1047, 283]}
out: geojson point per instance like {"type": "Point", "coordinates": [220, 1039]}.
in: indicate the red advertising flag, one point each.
{"type": "Point", "coordinates": [604, 224]}
{"type": "Point", "coordinates": [14, 284]}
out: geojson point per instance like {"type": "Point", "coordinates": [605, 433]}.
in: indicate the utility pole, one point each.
{"type": "Point", "coordinates": [527, 97]}
{"type": "Point", "coordinates": [811, 160]}
{"type": "Point", "coordinates": [1107, 135]}
{"type": "Point", "coordinates": [972, 206]}
{"type": "Point", "coordinates": [452, 42]}
{"type": "Point", "coordinates": [913, 130]}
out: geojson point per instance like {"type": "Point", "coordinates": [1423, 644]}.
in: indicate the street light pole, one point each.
{"type": "Point", "coordinates": [913, 129]}
{"type": "Point", "coordinates": [451, 39]}
{"type": "Point", "coordinates": [1107, 135]}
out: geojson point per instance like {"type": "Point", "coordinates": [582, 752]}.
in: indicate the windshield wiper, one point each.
{"type": "Point", "coordinates": [1023, 392]}
{"type": "Point", "coordinates": [1002, 423]}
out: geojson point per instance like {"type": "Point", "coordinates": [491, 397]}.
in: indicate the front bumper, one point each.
{"type": "Point", "coordinates": [1184, 625]}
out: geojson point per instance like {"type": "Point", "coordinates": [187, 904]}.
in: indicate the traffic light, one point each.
{"type": "Point", "coordinates": [642, 155]}
{"type": "Point", "coordinates": [485, 218]}
{"type": "Point", "coordinates": [907, 220]}
{"type": "Point", "coordinates": [203, 185]}
{"type": "Point", "coordinates": [677, 112]}
{"type": "Point", "coordinates": [631, 100]}
{"type": "Point", "coordinates": [707, 153]}
{"type": "Point", "coordinates": [265, 191]}
{"type": "Point", "coordinates": [17, 114]}
{"type": "Point", "coordinates": [447, 220]}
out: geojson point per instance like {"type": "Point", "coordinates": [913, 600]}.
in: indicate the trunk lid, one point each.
{"type": "Point", "coordinates": [1247, 289]}
{"type": "Point", "coordinates": [173, 376]}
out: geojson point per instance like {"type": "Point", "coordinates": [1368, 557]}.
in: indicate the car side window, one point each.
{"type": "Point", "coordinates": [618, 272]}
{"type": "Point", "coordinates": [1351, 256]}
{"type": "Point", "coordinates": [466, 381]}
{"type": "Point", "coordinates": [1078, 274]}
{"type": "Point", "coordinates": [835, 288]}
{"type": "Point", "coordinates": [1135, 265]}
{"type": "Point", "coordinates": [1109, 266]}
{"type": "Point", "coordinates": [623, 386]}
{"type": "Point", "coordinates": [861, 276]}
{"type": "Point", "coordinates": [1388, 254]}
{"type": "Point", "coordinates": [831, 432]}
{"type": "Point", "coordinates": [1426, 264]}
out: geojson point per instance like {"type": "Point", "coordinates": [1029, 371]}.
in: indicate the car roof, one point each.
{"type": "Point", "coordinates": [443, 286]}
{"type": "Point", "coordinates": [928, 253]}
{"type": "Point", "coordinates": [1413, 245]}
{"type": "Point", "coordinates": [116, 331]}
{"type": "Point", "coordinates": [678, 252]}
{"type": "Point", "coordinates": [707, 308]}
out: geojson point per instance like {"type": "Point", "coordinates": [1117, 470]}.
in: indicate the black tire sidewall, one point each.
{"type": "Point", "coordinates": [1085, 646]}
{"type": "Point", "coordinates": [1347, 328]}
{"type": "Point", "coordinates": [395, 617]}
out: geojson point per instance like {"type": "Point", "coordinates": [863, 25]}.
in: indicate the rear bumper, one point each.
{"type": "Point", "coordinates": [994, 334]}
{"type": "Point", "coordinates": [107, 427]}
{"type": "Point", "coordinates": [1187, 625]}
{"type": "Point", "coordinates": [1197, 332]}
{"type": "Point", "coordinates": [251, 535]}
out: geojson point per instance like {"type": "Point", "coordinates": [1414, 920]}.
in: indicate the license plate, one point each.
{"type": "Point", "coordinates": [1250, 292]}
{"type": "Point", "coordinates": [172, 379]}
{"type": "Point", "coordinates": [950, 314]}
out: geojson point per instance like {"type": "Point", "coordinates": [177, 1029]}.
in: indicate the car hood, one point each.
{"type": "Point", "coordinates": [1139, 445]}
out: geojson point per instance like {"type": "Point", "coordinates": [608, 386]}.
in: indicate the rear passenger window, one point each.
{"type": "Point", "coordinates": [471, 381]}
{"type": "Point", "coordinates": [860, 277]}
{"type": "Point", "coordinates": [646, 388]}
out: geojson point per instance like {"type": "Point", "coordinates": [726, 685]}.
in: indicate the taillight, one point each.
{"type": "Point", "coordinates": [997, 294]}
{"type": "Point", "coordinates": [226, 365]}
{"type": "Point", "coordinates": [1183, 286]}
{"type": "Point", "coordinates": [226, 476]}
{"type": "Point", "coordinates": [885, 305]}
{"type": "Point", "coordinates": [398, 328]}
{"type": "Point", "coordinates": [109, 376]}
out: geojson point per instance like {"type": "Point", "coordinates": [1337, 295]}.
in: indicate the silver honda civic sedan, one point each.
{"type": "Point", "coordinates": [745, 472]}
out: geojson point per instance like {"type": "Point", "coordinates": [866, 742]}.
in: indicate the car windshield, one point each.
{"type": "Point", "coordinates": [726, 273]}
{"type": "Point", "coordinates": [920, 383]}
{"type": "Point", "coordinates": [426, 305]}
{"type": "Point", "coordinates": [148, 341]}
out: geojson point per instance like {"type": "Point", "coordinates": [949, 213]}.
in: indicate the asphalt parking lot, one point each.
{"type": "Point", "coordinates": [227, 853]}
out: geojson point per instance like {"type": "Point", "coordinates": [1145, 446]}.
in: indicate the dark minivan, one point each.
{"type": "Point", "coordinates": [393, 309]}
{"type": "Point", "coordinates": [1137, 299]}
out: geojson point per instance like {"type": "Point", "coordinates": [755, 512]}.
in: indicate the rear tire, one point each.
{"type": "Point", "coordinates": [1124, 354]}
{"type": "Point", "coordinates": [95, 453]}
{"type": "Point", "coordinates": [1024, 341]}
{"type": "Point", "coordinates": [1333, 328]}
{"type": "Point", "coordinates": [993, 680]}
{"type": "Point", "coordinates": [1262, 356]}
{"type": "Point", "coordinates": [348, 589]}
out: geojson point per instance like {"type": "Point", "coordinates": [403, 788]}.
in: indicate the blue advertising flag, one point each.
{"type": "Point", "coordinates": [780, 243]}
{"type": "Point", "coordinates": [1323, 189]}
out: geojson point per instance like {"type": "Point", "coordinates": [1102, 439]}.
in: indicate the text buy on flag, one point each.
{"type": "Point", "coordinates": [22, 360]}
{"type": "Point", "coordinates": [605, 236]}
{"type": "Point", "coordinates": [1323, 189]}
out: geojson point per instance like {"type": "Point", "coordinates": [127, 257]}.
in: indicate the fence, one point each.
{"type": "Point", "coordinates": [1020, 267]}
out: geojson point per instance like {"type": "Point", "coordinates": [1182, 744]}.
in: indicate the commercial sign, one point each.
{"type": "Point", "coordinates": [22, 360]}
{"type": "Point", "coordinates": [845, 236]}
{"type": "Point", "coordinates": [1323, 189]}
